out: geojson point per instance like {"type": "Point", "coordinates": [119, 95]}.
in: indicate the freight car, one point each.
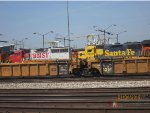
{"type": "Point", "coordinates": [113, 66]}
{"type": "Point", "coordinates": [34, 69]}
{"type": "Point", "coordinates": [127, 66]}
{"type": "Point", "coordinates": [124, 66]}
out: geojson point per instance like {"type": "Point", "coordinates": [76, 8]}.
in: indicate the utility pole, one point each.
{"type": "Point", "coordinates": [119, 34]}
{"type": "Point", "coordinates": [63, 37]}
{"type": "Point", "coordinates": [104, 31]}
{"type": "Point", "coordinates": [43, 35]}
{"type": "Point", "coordinates": [68, 24]}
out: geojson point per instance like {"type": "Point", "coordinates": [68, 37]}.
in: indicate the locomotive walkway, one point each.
{"type": "Point", "coordinates": [100, 100]}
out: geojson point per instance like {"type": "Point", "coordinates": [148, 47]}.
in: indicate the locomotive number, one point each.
{"type": "Point", "coordinates": [107, 69]}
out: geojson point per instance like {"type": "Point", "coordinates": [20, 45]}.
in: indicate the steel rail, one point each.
{"type": "Point", "coordinates": [66, 78]}
{"type": "Point", "coordinates": [104, 100]}
{"type": "Point", "coordinates": [75, 91]}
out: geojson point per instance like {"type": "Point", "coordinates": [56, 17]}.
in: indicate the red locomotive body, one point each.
{"type": "Point", "coordinates": [19, 56]}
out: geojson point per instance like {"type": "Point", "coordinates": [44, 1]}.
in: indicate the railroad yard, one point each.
{"type": "Point", "coordinates": [103, 74]}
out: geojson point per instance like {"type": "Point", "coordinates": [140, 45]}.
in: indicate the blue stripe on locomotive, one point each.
{"type": "Point", "coordinates": [134, 46]}
{"type": "Point", "coordinates": [115, 47]}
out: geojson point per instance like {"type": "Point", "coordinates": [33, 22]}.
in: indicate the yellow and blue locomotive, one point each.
{"type": "Point", "coordinates": [89, 60]}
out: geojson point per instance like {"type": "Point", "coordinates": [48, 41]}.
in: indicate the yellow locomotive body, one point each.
{"type": "Point", "coordinates": [86, 61]}
{"type": "Point", "coordinates": [90, 53]}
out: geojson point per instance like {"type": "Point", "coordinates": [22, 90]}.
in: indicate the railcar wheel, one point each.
{"type": "Point", "coordinates": [77, 72]}
{"type": "Point", "coordinates": [95, 72]}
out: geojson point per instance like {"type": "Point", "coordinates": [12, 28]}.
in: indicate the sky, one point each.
{"type": "Point", "coordinates": [20, 19]}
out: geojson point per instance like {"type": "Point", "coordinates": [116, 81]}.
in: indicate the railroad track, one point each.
{"type": "Point", "coordinates": [105, 100]}
{"type": "Point", "coordinates": [70, 78]}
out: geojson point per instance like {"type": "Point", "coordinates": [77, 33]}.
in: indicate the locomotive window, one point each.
{"type": "Point", "coordinates": [139, 45]}
{"type": "Point", "coordinates": [63, 50]}
{"type": "Point", "coordinates": [55, 50]}
{"type": "Point", "coordinates": [134, 46]}
{"type": "Point", "coordinates": [90, 50]}
{"type": "Point", "coordinates": [99, 46]}
{"type": "Point", "coordinates": [17, 54]}
{"type": "Point", "coordinates": [27, 51]}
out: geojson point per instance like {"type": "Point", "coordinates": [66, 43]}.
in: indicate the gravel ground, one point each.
{"type": "Point", "coordinates": [75, 85]}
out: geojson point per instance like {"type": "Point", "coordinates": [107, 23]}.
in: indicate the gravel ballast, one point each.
{"type": "Point", "coordinates": [75, 85]}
